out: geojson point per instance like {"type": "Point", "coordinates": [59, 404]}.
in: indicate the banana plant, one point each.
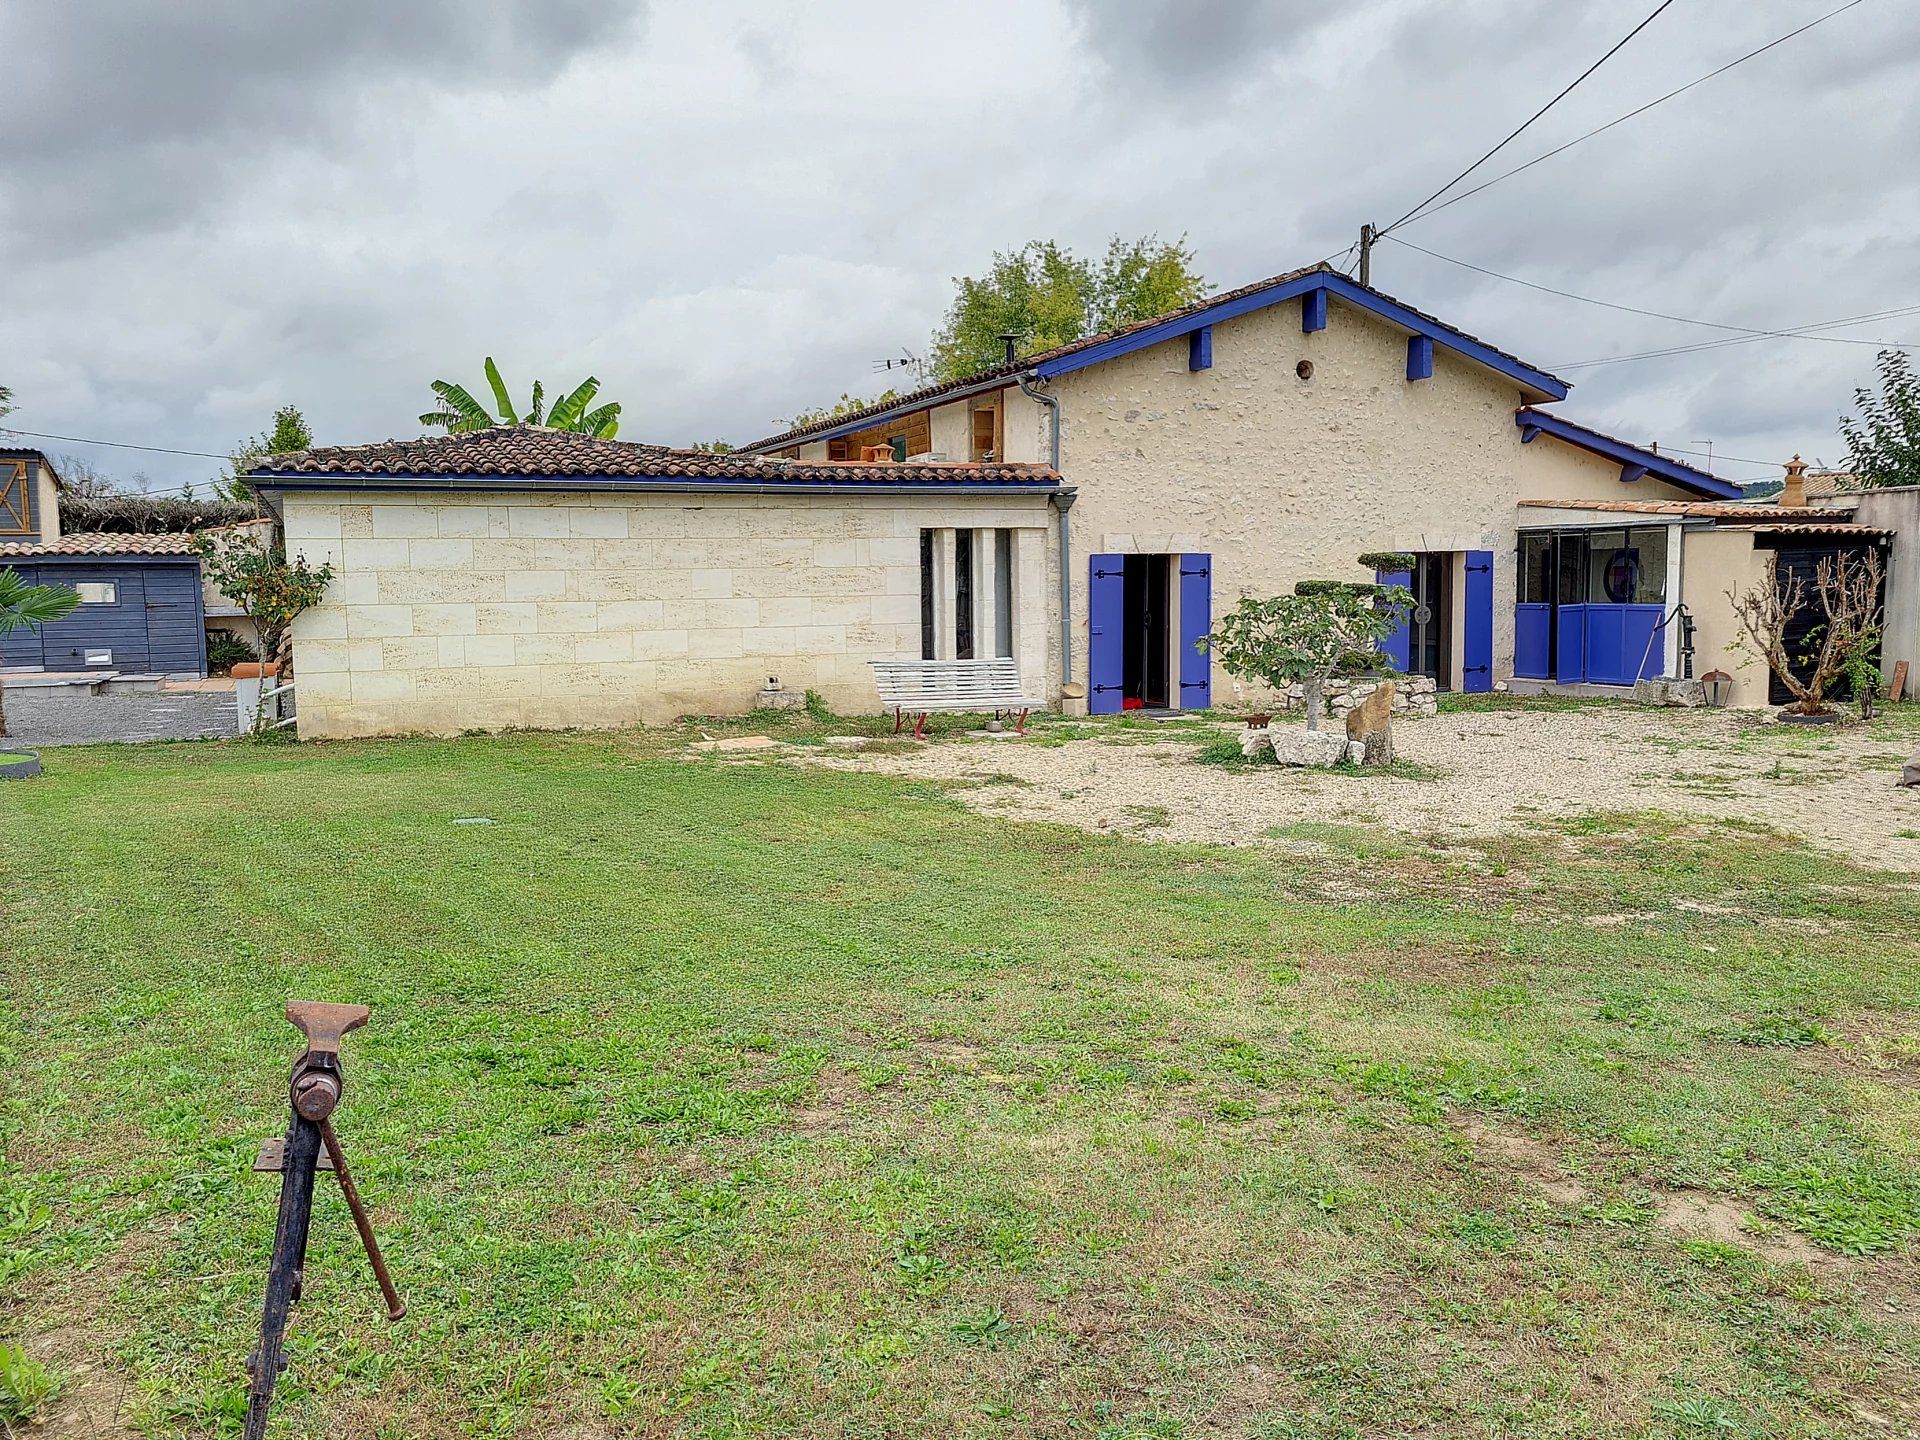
{"type": "Point", "coordinates": [28, 607]}
{"type": "Point", "coordinates": [459, 413]}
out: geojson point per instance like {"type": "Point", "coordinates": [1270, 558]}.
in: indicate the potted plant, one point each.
{"type": "Point", "coordinates": [1847, 588]}
{"type": "Point", "coordinates": [26, 607]}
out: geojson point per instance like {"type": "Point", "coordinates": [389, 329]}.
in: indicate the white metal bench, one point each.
{"type": "Point", "coordinates": [921, 687]}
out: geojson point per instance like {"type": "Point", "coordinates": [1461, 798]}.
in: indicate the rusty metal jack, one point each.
{"type": "Point", "coordinates": [310, 1146]}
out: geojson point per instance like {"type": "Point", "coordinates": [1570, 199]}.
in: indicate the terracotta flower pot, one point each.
{"type": "Point", "coordinates": [254, 670]}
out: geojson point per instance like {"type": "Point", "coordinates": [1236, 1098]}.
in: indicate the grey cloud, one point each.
{"type": "Point", "coordinates": [728, 215]}
{"type": "Point", "coordinates": [1174, 43]}
{"type": "Point", "coordinates": [132, 114]}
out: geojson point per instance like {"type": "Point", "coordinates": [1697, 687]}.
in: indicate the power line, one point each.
{"type": "Point", "coordinates": [1618, 46]}
{"type": "Point", "coordinates": [1799, 333]}
{"type": "Point", "coordinates": [1651, 314]}
{"type": "Point", "coordinates": [115, 444]}
{"type": "Point", "coordinates": [1621, 120]}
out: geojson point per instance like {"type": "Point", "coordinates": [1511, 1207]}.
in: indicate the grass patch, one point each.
{"type": "Point", "coordinates": [713, 1099]}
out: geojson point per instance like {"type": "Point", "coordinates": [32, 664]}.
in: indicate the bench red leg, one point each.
{"type": "Point", "coordinates": [920, 730]}
{"type": "Point", "coordinates": [899, 719]}
{"type": "Point", "coordinates": [1020, 726]}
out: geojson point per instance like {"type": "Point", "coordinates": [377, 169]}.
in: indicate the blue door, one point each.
{"type": "Point", "coordinates": [1532, 640]}
{"type": "Point", "coordinates": [1398, 647]}
{"type": "Point", "coordinates": [1106, 633]}
{"type": "Point", "coordinates": [1196, 621]}
{"type": "Point", "coordinates": [1476, 660]}
{"type": "Point", "coordinates": [176, 623]}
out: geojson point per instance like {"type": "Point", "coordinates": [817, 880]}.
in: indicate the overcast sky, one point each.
{"type": "Point", "coordinates": [730, 211]}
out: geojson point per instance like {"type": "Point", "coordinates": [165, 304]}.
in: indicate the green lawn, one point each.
{"type": "Point", "coordinates": [704, 1098]}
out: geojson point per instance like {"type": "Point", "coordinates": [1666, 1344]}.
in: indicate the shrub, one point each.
{"type": "Point", "coordinates": [226, 650]}
{"type": "Point", "coordinates": [1389, 562]}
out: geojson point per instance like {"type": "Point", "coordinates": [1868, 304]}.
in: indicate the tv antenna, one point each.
{"type": "Point", "coordinates": [905, 360]}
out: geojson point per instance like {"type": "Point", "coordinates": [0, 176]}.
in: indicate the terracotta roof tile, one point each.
{"type": "Point", "coordinates": [1698, 509]}
{"type": "Point", "coordinates": [102, 544]}
{"type": "Point", "coordinates": [537, 452]}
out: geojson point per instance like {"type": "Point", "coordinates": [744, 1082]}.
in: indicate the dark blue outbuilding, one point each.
{"type": "Point", "coordinates": [141, 611]}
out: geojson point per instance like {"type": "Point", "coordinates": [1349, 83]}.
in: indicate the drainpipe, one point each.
{"type": "Point", "coordinates": [1062, 502]}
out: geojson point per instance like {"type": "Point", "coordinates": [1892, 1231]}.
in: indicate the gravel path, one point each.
{"type": "Point", "coordinates": [64, 717]}
{"type": "Point", "coordinates": [1489, 773]}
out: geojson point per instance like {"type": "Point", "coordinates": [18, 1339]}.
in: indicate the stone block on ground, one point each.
{"type": "Point", "coordinates": [1684, 694]}
{"type": "Point", "coordinates": [1317, 749]}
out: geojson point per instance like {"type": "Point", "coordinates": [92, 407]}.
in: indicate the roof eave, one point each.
{"type": "Point", "coordinates": [1536, 385]}
{"type": "Point", "coordinates": [653, 484]}
{"type": "Point", "coordinates": [1592, 441]}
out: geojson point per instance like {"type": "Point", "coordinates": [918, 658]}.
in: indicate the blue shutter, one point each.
{"type": "Point", "coordinates": [1196, 621]}
{"type": "Point", "coordinates": [1476, 665]}
{"type": "Point", "coordinates": [1106, 633]}
{"type": "Point", "coordinates": [1398, 647]}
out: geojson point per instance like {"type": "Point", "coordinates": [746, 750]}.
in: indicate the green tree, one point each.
{"type": "Point", "coordinates": [6, 402]}
{"type": "Point", "coordinates": [289, 432]}
{"type": "Point", "coordinates": [845, 405]}
{"type": "Point", "coordinates": [1883, 445]}
{"type": "Point", "coordinates": [28, 607]}
{"type": "Point", "coordinates": [256, 574]}
{"type": "Point", "coordinates": [459, 413]}
{"type": "Point", "coordinates": [1305, 638]}
{"type": "Point", "coordinates": [1048, 296]}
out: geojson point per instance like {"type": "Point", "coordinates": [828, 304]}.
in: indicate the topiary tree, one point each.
{"type": "Point", "coordinates": [1305, 638]}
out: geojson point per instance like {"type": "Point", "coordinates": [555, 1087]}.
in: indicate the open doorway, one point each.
{"type": "Point", "coordinates": [1146, 616]}
{"type": "Point", "coordinates": [1144, 657]}
{"type": "Point", "coordinates": [1430, 626]}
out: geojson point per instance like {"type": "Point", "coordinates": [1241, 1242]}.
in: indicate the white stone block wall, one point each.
{"type": "Point", "coordinates": [474, 610]}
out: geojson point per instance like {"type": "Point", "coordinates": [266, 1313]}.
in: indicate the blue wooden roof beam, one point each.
{"type": "Point", "coordinates": [1635, 462]}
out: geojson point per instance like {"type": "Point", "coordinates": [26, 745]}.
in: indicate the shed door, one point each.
{"type": "Point", "coordinates": [22, 649]}
{"type": "Point", "coordinates": [176, 633]}
{"type": "Point", "coordinates": [1106, 633]}
{"type": "Point", "coordinates": [1196, 623]}
{"type": "Point", "coordinates": [112, 618]}
{"type": "Point", "coordinates": [1476, 660]}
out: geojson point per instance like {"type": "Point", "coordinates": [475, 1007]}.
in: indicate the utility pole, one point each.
{"type": "Point", "coordinates": [1367, 237]}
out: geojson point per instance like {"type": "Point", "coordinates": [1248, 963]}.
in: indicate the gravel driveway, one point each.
{"type": "Point", "coordinates": [1482, 773]}
{"type": "Point", "coordinates": [76, 717]}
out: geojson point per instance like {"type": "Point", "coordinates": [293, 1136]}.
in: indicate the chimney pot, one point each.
{"type": "Point", "coordinates": [1793, 494]}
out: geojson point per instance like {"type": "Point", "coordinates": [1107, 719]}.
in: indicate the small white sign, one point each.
{"type": "Point", "coordinates": [99, 657]}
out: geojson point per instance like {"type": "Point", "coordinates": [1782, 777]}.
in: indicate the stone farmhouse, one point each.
{"type": "Point", "coordinates": [1087, 511]}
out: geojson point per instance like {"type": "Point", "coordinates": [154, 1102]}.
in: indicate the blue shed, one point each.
{"type": "Point", "coordinates": [141, 611]}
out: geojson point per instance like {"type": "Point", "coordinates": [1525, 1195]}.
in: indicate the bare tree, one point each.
{"type": "Point", "coordinates": [1848, 590]}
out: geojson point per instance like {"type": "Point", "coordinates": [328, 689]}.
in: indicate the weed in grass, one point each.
{"type": "Point", "coordinates": [25, 1385]}
{"type": "Point", "coordinates": [989, 1327]}
{"type": "Point", "coordinates": [1698, 1414]}
{"type": "Point", "coordinates": [1222, 751]}
{"type": "Point", "coordinates": [1780, 1031]}
{"type": "Point", "coordinates": [1484, 1231]}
